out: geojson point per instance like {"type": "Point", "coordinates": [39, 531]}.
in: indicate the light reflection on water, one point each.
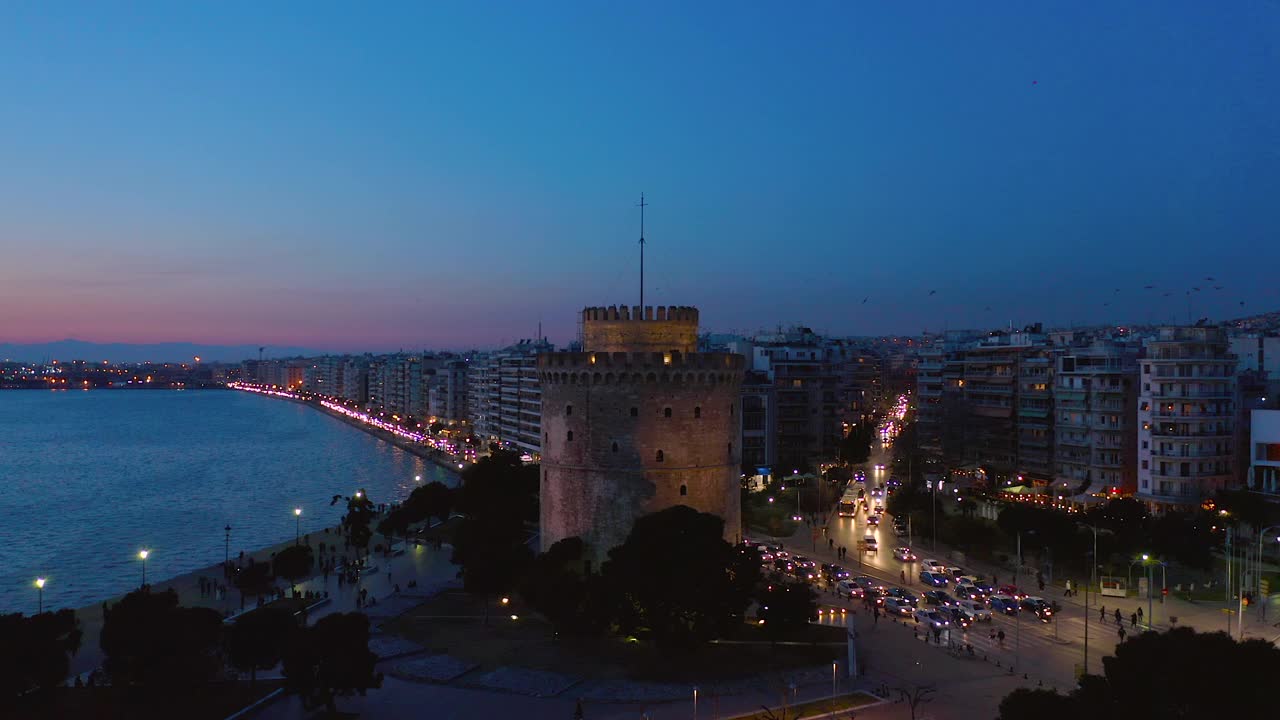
{"type": "Point", "coordinates": [91, 477]}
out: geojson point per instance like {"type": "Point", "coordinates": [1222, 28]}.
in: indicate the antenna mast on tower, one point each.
{"type": "Point", "coordinates": [642, 206]}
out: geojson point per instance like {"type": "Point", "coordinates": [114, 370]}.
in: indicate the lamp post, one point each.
{"type": "Point", "coordinates": [143, 555]}
{"type": "Point", "coordinates": [695, 702]}
{"type": "Point", "coordinates": [297, 525]}
{"type": "Point", "coordinates": [1257, 576]}
{"type": "Point", "coordinates": [1093, 567]}
{"type": "Point", "coordinates": [40, 590]}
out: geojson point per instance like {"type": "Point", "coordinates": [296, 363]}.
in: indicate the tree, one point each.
{"type": "Point", "coordinates": [293, 563]}
{"type": "Point", "coordinates": [1174, 674]}
{"type": "Point", "coordinates": [433, 500]}
{"type": "Point", "coordinates": [435, 428]}
{"type": "Point", "coordinates": [360, 513]}
{"type": "Point", "coordinates": [556, 586]}
{"type": "Point", "coordinates": [257, 640]}
{"type": "Point", "coordinates": [1028, 704]}
{"type": "Point", "coordinates": [916, 697]}
{"type": "Point", "coordinates": [677, 578]}
{"type": "Point", "coordinates": [395, 523]}
{"type": "Point", "coordinates": [35, 651]}
{"type": "Point", "coordinates": [253, 578]}
{"type": "Point", "coordinates": [786, 607]}
{"type": "Point", "coordinates": [149, 639]}
{"type": "Point", "coordinates": [498, 496]}
{"type": "Point", "coordinates": [330, 659]}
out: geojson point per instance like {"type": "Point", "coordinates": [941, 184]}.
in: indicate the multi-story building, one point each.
{"type": "Point", "coordinates": [355, 381]}
{"type": "Point", "coordinates": [1095, 407]}
{"type": "Point", "coordinates": [1186, 415]}
{"type": "Point", "coordinates": [447, 393]}
{"type": "Point", "coordinates": [759, 424]}
{"type": "Point", "coordinates": [1264, 453]}
{"type": "Point", "coordinates": [506, 398]}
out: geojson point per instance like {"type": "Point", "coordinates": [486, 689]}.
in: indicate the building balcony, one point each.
{"type": "Point", "coordinates": [1081, 423]}
{"type": "Point", "coordinates": [1192, 434]}
{"type": "Point", "coordinates": [1190, 454]}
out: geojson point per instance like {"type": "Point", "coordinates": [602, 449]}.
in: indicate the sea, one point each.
{"type": "Point", "coordinates": [88, 478]}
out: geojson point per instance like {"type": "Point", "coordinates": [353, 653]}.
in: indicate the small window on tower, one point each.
{"type": "Point", "coordinates": [684, 490]}
{"type": "Point", "coordinates": [666, 412]}
{"type": "Point", "coordinates": [570, 436]}
{"type": "Point", "coordinates": [568, 410]}
{"type": "Point", "coordinates": [635, 412]}
{"type": "Point", "coordinates": [660, 457]}
{"type": "Point", "coordinates": [697, 412]}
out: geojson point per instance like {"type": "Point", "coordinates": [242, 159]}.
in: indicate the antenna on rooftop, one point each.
{"type": "Point", "coordinates": [260, 349]}
{"type": "Point", "coordinates": [642, 206]}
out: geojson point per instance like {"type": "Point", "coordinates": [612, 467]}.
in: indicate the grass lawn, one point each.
{"type": "Point", "coordinates": [531, 643]}
{"type": "Point", "coordinates": [816, 707]}
{"type": "Point", "coordinates": [214, 702]}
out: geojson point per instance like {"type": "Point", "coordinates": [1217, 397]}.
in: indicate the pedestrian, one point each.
{"type": "Point", "coordinates": [1067, 592]}
{"type": "Point", "coordinates": [1133, 620]}
{"type": "Point", "coordinates": [1121, 633]}
{"type": "Point", "coordinates": [875, 615]}
{"type": "Point", "coordinates": [1102, 613]}
{"type": "Point", "coordinates": [995, 580]}
{"type": "Point", "coordinates": [831, 543]}
{"type": "Point", "coordinates": [1140, 609]}
{"type": "Point", "coordinates": [1000, 637]}
{"type": "Point", "coordinates": [902, 575]}
{"type": "Point", "coordinates": [1119, 617]}
{"type": "Point", "coordinates": [1040, 581]}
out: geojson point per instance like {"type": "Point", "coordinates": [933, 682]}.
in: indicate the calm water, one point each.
{"type": "Point", "coordinates": [91, 477]}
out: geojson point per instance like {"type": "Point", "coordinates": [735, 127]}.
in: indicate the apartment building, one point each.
{"type": "Point", "coordinates": [505, 396]}
{"type": "Point", "coordinates": [1095, 407]}
{"type": "Point", "coordinates": [1186, 416]}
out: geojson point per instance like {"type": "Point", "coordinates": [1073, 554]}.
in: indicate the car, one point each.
{"type": "Point", "coordinates": [1011, 591]}
{"type": "Point", "coordinates": [867, 583]}
{"type": "Point", "coordinates": [899, 531]}
{"type": "Point", "coordinates": [904, 595]}
{"type": "Point", "coordinates": [932, 565]}
{"type": "Point", "coordinates": [955, 573]}
{"type": "Point", "coordinates": [977, 610]}
{"type": "Point", "coordinates": [869, 542]}
{"type": "Point", "coordinates": [873, 521]}
{"type": "Point", "coordinates": [933, 579]}
{"type": "Point", "coordinates": [849, 589]}
{"type": "Point", "coordinates": [901, 608]}
{"type": "Point", "coordinates": [965, 591]}
{"type": "Point", "coordinates": [971, 579]}
{"type": "Point", "coordinates": [804, 562]}
{"type": "Point", "coordinates": [1006, 604]}
{"type": "Point", "coordinates": [834, 573]}
{"type": "Point", "coordinates": [1039, 606]}
{"type": "Point", "coordinates": [904, 554]}
{"type": "Point", "coordinates": [801, 572]}
{"type": "Point", "coordinates": [879, 508]}
{"type": "Point", "coordinates": [938, 597]}
{"type": "Point", "coordinates": [932, 618]}
{"type": "Point", "coordinates": [779, 552]}
{"type": "Point", "coordinates": [957, 616]}
{"type": "Point", "coordinates": [783, 565]}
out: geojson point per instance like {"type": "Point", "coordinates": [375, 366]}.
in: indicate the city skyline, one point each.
{"type": "Point", "coordinates": [454, 177]}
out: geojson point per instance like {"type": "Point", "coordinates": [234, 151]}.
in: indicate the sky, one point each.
{"type": "Point", "coordinates": [450, 175]}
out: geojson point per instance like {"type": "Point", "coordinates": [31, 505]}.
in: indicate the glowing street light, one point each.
{"type": "Point", "coordinates": [417, 478]}
{"type": "Point", "coordinates": [143, 555]}
{"type": "Point", "coordinates": [40, 589]}
{"type": "Point", "coordinates": [297, 524]}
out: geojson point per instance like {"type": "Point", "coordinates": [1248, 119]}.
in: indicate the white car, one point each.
{"type": "Point", "coordinates": [932, 566]}
{"type": "Point", "coordinates": [904, 554]}
{"type": "Point", "coordinates": [977, 610]}
{"type": "Point", "coordinates": [930, 618]}
{"type": "Point", "coordinates": [869, 542]}
{"type": "Point", "coordinates": [896, 606]}
{"type": "Point", "coordinates": [846, 588]}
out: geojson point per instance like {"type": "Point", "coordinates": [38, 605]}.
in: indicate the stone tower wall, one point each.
{"type": "Point", "coordinates": [598, 480]}
{"type": "Point", "coordinates": [635, 329]}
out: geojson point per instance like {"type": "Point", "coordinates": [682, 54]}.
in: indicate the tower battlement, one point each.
{"type": "Point", "coordinates": [595, 366]}
{"type": "Point", "coordinates": [618, 328]}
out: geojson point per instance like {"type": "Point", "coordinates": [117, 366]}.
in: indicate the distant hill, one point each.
{"type": "Point", "coordinates": [142, 352]}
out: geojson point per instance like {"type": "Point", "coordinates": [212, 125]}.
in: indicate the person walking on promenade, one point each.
{"type": "Point", "coordinates": [1102, 613]}
{"type": "Point", "coordinates": [1000, 637]}
{"type": "Point", "coordinates": [1119, 617]}
{"type": "Point", "coordinates": [1067, 592]}
{"type": "Point", "coordinates": [1139, 612]}
{"type": "Point", "coordinates": [1133, 620]}
{"type": "Point", "coordinates": [902, 575]}
{"type": "Point", "coordinates": [1121, 633]}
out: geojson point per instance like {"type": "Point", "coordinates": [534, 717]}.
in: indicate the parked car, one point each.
{"type": "Point", "coordinates": [1006, 604]}
{"type": "Point", "coordinates": [931, 618]}
{"type": "Point", "coordinates": [904, 554]}
{"type": "Point", "coordinates": [976, 609]}
{"type": "Point", "coordinates": [932, 579]}
{"type": "Point", "coordinates": [938, 597]}
{"type": "Point", "coordinates": [898, 607]}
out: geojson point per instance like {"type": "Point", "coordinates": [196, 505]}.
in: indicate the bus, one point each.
{"type": "Point", "coordinates": [848, 505]}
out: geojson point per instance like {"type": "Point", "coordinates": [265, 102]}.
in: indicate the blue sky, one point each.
{"type": "Point", "coordinates": [449, 175]}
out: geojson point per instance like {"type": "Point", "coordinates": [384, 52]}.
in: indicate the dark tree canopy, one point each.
{"type": "Point", "coordinates": [331, 658]}
{"type": "Point", "coordinates": [786, 607]}
{"type": "Point", "coordinates": [498, 496]}
{"type": "Point", "coordinates": [34, 651]}
{"type": "Point", "coordinates": [433, 500]}
{"type": "Point", "coordinates": [557, 586]}
{"type": "Point", "coordinates": [257, 640]}
{"type": "Point", "coordinates": [294, 562]}
{"type": "Point", "coordinates": [149, 639]}
{"type": "Point", "coordinates": [677, 578]}
{"type": "Point", "coordinates": [1174, 674]}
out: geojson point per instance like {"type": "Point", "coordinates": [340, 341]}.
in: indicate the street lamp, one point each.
{"type": "Point", "coordinates": [40, 589]}
{"type": "Point", "coordinates": [1258, 575]}
{"type": "Point", "coordinates": [143, 555]}
{"type": "Point", "coordinates": [1093, 569]}
{"type": "Point", "coordinates": [297, 525]}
